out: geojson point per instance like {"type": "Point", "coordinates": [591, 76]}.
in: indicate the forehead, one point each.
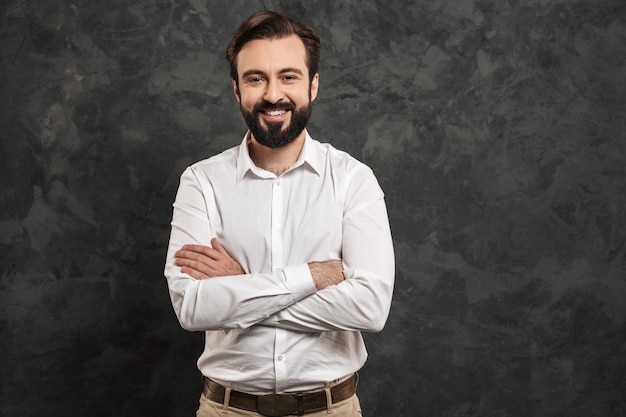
{"type": "Point", "coordinates": [272, 55]}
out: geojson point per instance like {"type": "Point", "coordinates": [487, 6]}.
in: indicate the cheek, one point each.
{"type": "Point", "coordinates": [248, 101]}
{"type": "Point", "coordinates": [244, 97]}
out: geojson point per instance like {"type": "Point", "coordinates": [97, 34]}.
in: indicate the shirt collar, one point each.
{"type": "Point", "coordinates": [311, 156]}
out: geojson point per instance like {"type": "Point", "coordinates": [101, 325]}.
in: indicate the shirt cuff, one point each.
{"type": "Point", "coordinates": [299, 280]}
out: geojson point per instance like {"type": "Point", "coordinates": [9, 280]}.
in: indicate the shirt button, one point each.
{"type": "Point", "coordinates": [280, 358]}
{"type": "Point", "coordinates": [277, 182]}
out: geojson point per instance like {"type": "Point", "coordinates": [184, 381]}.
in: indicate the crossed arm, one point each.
{"type": "Point", "coordinates": [203, 262]}
{"type": "Point", "coordinates": [210, 289]}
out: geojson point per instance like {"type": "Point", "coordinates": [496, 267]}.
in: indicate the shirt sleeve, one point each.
{"type": "Point", "coordinates": [362, 301]}
{"type": "Point", "coordinates": [222, 302]}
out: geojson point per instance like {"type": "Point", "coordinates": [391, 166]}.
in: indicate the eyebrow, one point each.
{"type": "Point", "coordinates": [283, 71]}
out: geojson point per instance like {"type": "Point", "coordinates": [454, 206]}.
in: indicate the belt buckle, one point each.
{"type": "Point", "coordinates": [277, 405]}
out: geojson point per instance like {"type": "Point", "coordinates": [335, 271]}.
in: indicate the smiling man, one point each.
{"type": "Point", "coordinates": [275, 91]}
{"type": "Point", "coordinates": [277, 101]}
{"type": "Point", "coordinates": [280, 248]}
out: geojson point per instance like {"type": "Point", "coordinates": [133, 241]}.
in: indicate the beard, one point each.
{"type": "Point", "coordinates": [274, 136]}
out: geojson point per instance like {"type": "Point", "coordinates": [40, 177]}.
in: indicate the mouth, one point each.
{"type": "Point", "coordinates": [274, 113]}
{"type": "Point", "coordinates": [275, 116]}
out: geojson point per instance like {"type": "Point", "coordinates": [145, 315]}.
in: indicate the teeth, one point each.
{"type": "Point", "coordinates": [276, 112]}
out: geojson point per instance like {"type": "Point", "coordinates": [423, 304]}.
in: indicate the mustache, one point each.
{"type": "Point", "coordinates": [267, 106]}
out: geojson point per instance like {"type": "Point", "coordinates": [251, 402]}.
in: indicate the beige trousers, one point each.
{"type": "Point", "coordinates": [346, 408]}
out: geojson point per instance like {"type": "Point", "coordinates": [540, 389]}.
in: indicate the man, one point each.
{"type": "Point", "coordinates": [280, 249]}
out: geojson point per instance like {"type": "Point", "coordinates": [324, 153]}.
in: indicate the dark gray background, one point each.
{"type": "Point", "coordinates": [495, 127]}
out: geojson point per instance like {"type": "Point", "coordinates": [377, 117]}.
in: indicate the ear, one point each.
{"type": "Point", "coordinates": [236, 90]}
{"type": "Point", "coordinates": [315, 84]}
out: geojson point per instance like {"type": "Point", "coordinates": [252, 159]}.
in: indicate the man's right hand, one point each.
{"type": "Point", "coordinates": [326, 273]}
{"type": "Point", "coordinates": [203, 262]}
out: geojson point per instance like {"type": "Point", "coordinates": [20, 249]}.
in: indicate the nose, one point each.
{"type": "Point", "coordinates": [273, 92]}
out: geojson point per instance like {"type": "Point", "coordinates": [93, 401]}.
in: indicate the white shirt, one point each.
{"type": "Point", "coordinates": [271, 330]}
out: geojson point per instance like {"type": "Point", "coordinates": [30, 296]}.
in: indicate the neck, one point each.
{"type": "Point", "coordinates": [276, 160]}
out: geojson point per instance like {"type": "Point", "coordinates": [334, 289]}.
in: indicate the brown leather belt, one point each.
{"type": "Point", "coordinates": [278, 405]}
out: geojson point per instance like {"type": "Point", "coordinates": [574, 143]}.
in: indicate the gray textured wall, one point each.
{"type": "Point", "coordinates": [496, 129]}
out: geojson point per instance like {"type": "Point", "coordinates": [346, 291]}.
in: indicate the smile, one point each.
{"type": "Point", "coordinates": [276, 112]}
{"type": "Point", "coordinates": [275, 116]}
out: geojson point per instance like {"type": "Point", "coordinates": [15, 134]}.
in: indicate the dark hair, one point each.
{"type": "Point", "coordinates": [271, 25]}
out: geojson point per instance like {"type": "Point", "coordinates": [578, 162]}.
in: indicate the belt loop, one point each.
{"type": "Point", "coordinates": [226, 400]}
{"type": "Point", "coordinates": [329, 401]}
{"type": "Point", "coordinates": [300, 402]}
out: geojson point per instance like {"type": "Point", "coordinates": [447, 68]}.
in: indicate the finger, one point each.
{"type": "Point", "coordinates": [195, 265]}
{"type": "Point", "coordinates": [201, 249]}
{"type": "Point", "coordinates": [218, 247]}
{"type": "Point", "coordinates": [193, 273]}
{"type": "Point", "coordinates": [207, 256]}
{"type": "Point", "coordinates": [200, 270]}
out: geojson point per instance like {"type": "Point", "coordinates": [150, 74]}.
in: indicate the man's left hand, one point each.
{"type": "Point", "coordinates": [203, 262]}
